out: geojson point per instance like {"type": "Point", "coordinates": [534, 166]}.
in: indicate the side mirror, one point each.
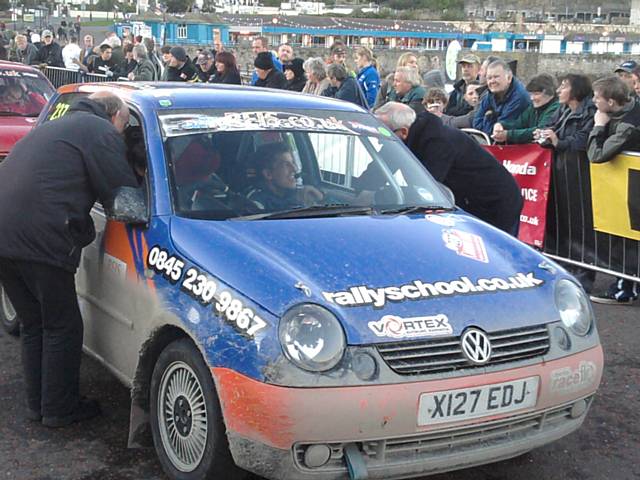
{"type": "Point", "coordinates": [129, 206]}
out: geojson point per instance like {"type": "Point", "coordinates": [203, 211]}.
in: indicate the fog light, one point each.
{"type": "Point", "coordinates": [578, 408]}
{"type": "Point", "coordinates": [562, 337]}
{"type": "Point", "coordinates": [364, 366]}
{"type": "Point", "coordinates": [316, 456]}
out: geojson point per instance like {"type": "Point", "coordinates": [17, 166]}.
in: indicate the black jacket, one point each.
{"type": "Point", "coordinates": [274, 79]}
{"type": "Point", "coordinates": [480, 184]}
{"type": "Point", "coordinates": [349, 91]}
{"type": "Point", "coordinates": [50, 54]}
{"type": "Point", "coordinates": [232, 77]}
{"type": "Point", "coordinates": [50, 181]}
{"type": "Point", "coordinates": [573, 128]}
{"type": "Point", "coordinates": [457, 105]}
{"type": "Point", "coordinates": [186, 73]}
{"type": "Point", "coordinates": [104, 67]}
{"type": "Point", "coordinates": [296, 84]}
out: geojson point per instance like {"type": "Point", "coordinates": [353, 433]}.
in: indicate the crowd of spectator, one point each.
{"type": "Point", "coordinates": [569, 114]}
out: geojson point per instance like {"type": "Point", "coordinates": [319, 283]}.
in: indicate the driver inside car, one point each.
{"type": "Point", "coordinates": [278, 189]}
{"type": "Point", "coordinates": [17, 101]}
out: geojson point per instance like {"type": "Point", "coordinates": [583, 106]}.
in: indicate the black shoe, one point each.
{"type": "Point", "coordinates": [609, 298]}
{"type": "Point", "coordinates": [85, 410]}
{"type": "Point", "coordinates": [32, 415]}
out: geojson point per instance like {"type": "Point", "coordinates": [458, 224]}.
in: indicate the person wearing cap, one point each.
{"type": "Point", "coordinates": [469, 69]}
{"type": "Point", "coordinates": [544, 104]}
{"type": "Point", "coordinates": [261, 45]}
{"type": "Point", "coordinates": [294, 73]}
{"type": "Point", "coordinates": [50, 54]}
{"type": "Point", "coordinates": [180, 67]}
{"type": "Point", "coordinates": [205, 66]}
{"type": "Point", "coordinates": [268, 75]}
{"type": "Point", "coordinates": [625, 72]}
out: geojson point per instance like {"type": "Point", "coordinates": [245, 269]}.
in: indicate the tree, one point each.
{"type": "Point", "coordinates": [179, 6]}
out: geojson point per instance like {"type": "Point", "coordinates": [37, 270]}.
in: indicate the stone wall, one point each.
{"type": "Point", "coordinates": [529, 64]}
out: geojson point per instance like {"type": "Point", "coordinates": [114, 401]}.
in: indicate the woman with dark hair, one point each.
{"type": "Point", "coordinates": [569, 128]}
{"type": "Point", "coordinates": [226, 69]}
{"type": "Point", "coordinates": [129, 64]}
{"type": "Point", "coordinates": [569, 206]}
{"type": "Point", "coordinates": [294, 73]}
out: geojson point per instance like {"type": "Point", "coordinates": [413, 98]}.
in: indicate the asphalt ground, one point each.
{"type": "Point", "coordinates": [606, 447]}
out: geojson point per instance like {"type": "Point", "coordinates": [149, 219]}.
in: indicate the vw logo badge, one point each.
{"type": "Point", "coordinates": [476, 346]}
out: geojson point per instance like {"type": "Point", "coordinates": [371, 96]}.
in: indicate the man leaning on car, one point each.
{"type": "Point", "coordinates": [48, 185]}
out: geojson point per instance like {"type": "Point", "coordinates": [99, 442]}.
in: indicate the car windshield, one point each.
{"type": "Point", "coordinates": [23, 93]}
{"type": "Point", "coordinates": [291, 164]}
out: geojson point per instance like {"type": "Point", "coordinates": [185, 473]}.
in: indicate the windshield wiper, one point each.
{"type": "Point", "coordinates": [404, 210]}
{"type": "Point", "coordinates": [314, 211]}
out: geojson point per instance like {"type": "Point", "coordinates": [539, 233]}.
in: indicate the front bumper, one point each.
{"type": "Point", "coordinates": [269, 427]}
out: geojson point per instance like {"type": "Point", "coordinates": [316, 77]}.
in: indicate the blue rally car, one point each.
{"type": "Point", "coordinates": [290, 293]}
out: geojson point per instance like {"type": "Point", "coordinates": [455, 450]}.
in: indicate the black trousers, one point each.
{"type": "Point", "coordinates": [44, 298]}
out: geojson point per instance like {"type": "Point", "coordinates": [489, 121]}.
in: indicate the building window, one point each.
{"type": "Point", "coordinates": [182, 31]}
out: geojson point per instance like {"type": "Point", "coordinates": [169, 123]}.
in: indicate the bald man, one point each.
{"type": "Point", "coordinates": [48, 185]}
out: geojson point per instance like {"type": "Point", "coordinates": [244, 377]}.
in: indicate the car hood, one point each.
{"type": "Point", "coordinates": [13, 129]}
{"type": "Point", "coordinates": [373, 270]}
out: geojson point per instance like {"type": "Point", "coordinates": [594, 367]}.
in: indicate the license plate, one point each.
{"type": "Point", "coordinates": [468, 403]}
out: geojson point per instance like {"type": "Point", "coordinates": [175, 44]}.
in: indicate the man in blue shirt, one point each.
{"type": "Point", "coordinates": [506, 100]}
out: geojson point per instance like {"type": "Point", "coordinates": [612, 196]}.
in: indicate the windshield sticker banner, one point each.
{"type": "Point", "coordinates": [415, 327]}
{"type": "Point", "coordinates": [465, 244]}
{"type": "Point", "coordinates": [418, 290]}
{"type": "Point", "coordinates": [182, 124]}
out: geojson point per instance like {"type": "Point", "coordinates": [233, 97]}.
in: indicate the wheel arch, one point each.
{"type": "Point", "coordinates": [139, 423]}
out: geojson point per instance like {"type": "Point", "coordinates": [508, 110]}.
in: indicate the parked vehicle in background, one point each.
{"type": "Point", "coordinates": [24, 92]}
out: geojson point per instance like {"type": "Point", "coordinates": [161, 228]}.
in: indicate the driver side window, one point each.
{"type": "Point", "coordinates": [334, 153]}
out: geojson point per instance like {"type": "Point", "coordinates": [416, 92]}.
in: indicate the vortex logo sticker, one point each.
{"type": "Point", "coordinates": [414, 327]}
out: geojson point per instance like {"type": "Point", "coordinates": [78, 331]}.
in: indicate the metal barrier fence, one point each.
{"type": "Point", "coordinates": [570, 236]}
{"type": "Point", "coordinates": [64, 76]}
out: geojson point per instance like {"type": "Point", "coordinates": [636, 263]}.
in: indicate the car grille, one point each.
{"type": "Point", "coordinates": [445, 354]}
{"type": "Point", "coordinates": [422, 447]}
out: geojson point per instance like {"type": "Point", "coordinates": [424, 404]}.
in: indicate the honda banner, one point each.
{"type": "Point", "coordinates": [530, 165]}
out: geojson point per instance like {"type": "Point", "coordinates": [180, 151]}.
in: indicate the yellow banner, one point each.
{"type": "Point", "coordinates": [615, 190]}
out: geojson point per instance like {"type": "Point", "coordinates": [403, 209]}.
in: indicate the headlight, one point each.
{"type": "Point", "coordinates": [574, 307]}
{"type": "Point", "coordinates": [312, 337]}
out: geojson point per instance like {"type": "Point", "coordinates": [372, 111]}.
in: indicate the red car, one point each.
{"type": "Point", "coordinates": [24, 91]}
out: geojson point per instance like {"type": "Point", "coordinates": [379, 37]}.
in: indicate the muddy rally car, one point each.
{"type": "Point", "coordinates": [289, 292]}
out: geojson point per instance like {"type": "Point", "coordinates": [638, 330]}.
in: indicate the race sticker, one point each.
{"type": "Point", "coordinates": [566, 380]}
{"type": "Point", "coordinates": [204, 289]}
{"type": "Point", "coordinates": [59, 110]}
{"type": "Point", "coordinates": [441, 220]}
{"type": "Point", "coordinates": [418, 290]}
{"type": "Point", "coordinates": [414, 327]}
{"type": "Point", "coordinates": [465, 244]}
{"type": "Point", "coordinates": [250, 121]}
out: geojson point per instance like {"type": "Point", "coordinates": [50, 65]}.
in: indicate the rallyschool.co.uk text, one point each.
{"type": "Point", "coordinates": [418, 290]}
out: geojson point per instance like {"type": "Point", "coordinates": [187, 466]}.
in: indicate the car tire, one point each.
{"type": "Point", "coordinates": [186, 419]}
{"type": "Point", "coordinates": [8, 315]}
